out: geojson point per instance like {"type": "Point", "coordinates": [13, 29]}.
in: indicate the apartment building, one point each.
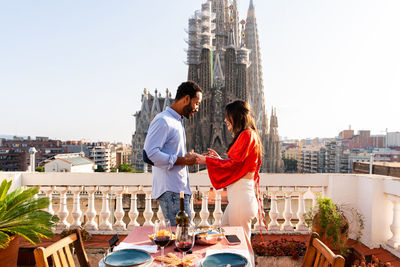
{"type": "Point", "coordinates": [14, 153]}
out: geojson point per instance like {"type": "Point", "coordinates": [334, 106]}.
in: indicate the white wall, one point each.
{"type": "Point", "coordinates": [57, 165]}
{"type": "Point", "coordinates": [83, 168]}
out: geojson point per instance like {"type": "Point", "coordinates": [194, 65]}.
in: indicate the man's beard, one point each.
{"type": "Point", "coordinates": [187, 111]}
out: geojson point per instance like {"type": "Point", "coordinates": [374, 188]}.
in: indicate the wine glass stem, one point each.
{"type": "Point", "coordinates": [162, 255]}
{"type": "Point", "coordinates": [183, 254]}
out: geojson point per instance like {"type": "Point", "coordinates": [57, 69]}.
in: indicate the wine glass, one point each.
{"type": "Point", "coordinates": [162, 233]}
{"type": "Point", "coordinates": [184, 238]}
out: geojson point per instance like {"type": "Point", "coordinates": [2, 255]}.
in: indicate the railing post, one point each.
{"type": "Point", "coordinates": [105, 213]}
{"type": "Point", "coordinates": [133, 212]}
{"type": "Point", "coordinates": [217, 214]}
{"type": "Point", "coordinates": [91, 213]}
{"type": "Point", "coordinates": [288, 214]}
{"type": "Point", "coordinates": [119, 213]}
{"type": "Point", "coordinates": [148, 212]}
{"type": "Point", "coordinates": [76, 207]}
{"type": "Point", "coordinates": [394, 241]}
{"type": "Point", "coordinates": [192, 212]}
{"type": "Point", "coordinates": [273, 213]}
{"type": "Point", "coordinates": [49, 193]}
{"type": "Point", "coordinates": [301, 226]}
{"type": "Point", "coordinates": [257, 224]}
{"type": "Point", "coordinates": [63, 211]}
{"type": "Point", "coordinates": [204, 213]}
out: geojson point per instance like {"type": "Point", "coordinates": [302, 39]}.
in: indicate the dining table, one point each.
{"type": "Point", "coordinates": [139, 236]}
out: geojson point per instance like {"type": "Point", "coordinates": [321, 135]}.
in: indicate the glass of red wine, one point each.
{"type": "Point", "coordinates": [162, 234]}
{"type": "Point", "coordinates": [184, 238]}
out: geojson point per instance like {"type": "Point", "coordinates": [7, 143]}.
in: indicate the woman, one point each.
{"type": "Point", "coordinates": [239, 172]}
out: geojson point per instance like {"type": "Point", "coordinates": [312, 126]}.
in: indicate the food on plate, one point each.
{"type": "Point", "coordinates": [172, 260]}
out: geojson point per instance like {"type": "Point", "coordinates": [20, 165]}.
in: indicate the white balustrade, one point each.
{"type": "Point", "coordinates": [260, 216]}
{"type": "Point", "coordinates": [91, 213]}
{"type": "Point", "coordinates": [273, 213]}
{"type": "Point", "coordinates": [133, 212]}
{"type": "Point", "coordinates": [119, 213]}
{"type": "Point", "coordinates": [394, 241]}
{"type": "Point", "coordinates": [287, 213]}
{"type": "Point", "coordinates": [192, 212]}
{"type": "Point", "coordinates": [76, 207]}
{"type": "Point", "coordinates": [217, 214]}
{"type": "Point", "coordinates": [63, 211]}
{"type": "Point", "coordinates": [301, 210]}
{"type": "Point", "coordinates": [49, 193]}
{"type": "Point", "coordinates": [204, 213]}
{"type": "Point", "coordinates": [148, 211]}
{"type": "Point", "coordinates": [105, 224]}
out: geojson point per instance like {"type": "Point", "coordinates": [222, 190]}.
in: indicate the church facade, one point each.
{"type": "Point", "coordinates": [223, 57]}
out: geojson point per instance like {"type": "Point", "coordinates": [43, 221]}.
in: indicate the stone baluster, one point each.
{"type": "Point", "coordinates": [148, 212]}
{"type": "Point", "coordinates": [63, 211]}
{"type": "Point", "coordinates": [119, 213]}
{"type": "Point", "coordinates": [301, 226]}
{"type": "Point", "coordinates": [76, 207]}
{"type": "Point", "coordinates": [91, 213]}
{"type": "Point", "coordinates": [217, 214]}
{"type": "Point", "coordinates": [49, 194]}
{"type": "Point", "coordinates": [257, 224]}
{"type": "Point", "coordinates": [287, 213]}
{"type": "Point", "coordinates": [273, 213]}
{"type": "Point", "coordinates": [192, 212]}
{"type": "Point", "coordinates": [133, 212]}
{"type": "Point", "coordinates": [394, 241]}
{"type": "Point", "coordinates": [105, 224]}
{"type": "Point", "coordinates": [204, 213]}
{"type": "Point", "coordinates": [160, 214]}
{"type": "Point", "coordinates": [315, 191]}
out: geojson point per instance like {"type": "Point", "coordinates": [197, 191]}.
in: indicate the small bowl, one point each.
{"type": "Point", "coordinates": [209, 237]}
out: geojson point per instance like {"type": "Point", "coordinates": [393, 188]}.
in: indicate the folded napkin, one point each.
{"type": "Point", "coordinates": [147, 248]}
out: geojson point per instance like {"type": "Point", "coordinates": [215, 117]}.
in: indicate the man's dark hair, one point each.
{"type": "Point", "coordinates": [188, 88]}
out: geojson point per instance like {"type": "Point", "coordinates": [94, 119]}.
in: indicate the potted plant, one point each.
{"type": "Point", "coordinates": [331, 222]}
{"type": "Point", "coordinates": [21, 215]}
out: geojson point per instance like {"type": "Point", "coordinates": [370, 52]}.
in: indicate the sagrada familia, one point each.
{"type": "Point", "coordinates": [223, 57]}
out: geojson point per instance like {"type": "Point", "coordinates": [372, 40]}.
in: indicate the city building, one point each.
{"type": "Point", "coordinates": [71, 162]}
{"type": "Point", "coordinates": [151, 106]}
{"type": "Point", "coordinates": [14, 153]}
{"type": "Point", "coordinates": [123, 154]}
{"type": "Point", "coordinates": [224, 58]}
{"type": "Point", "coordinates": [103, 154]}
{"type": "Point", "coordinates": [393, 139]}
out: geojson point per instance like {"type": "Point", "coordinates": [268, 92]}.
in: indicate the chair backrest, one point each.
{"type": "Point", "coordinates": [60, 252]}
{"type": "Point", "coordinates": [318, 254]}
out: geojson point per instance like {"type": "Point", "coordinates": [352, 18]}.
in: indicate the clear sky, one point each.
{"type": "Point", "coordinates": [76, 69]}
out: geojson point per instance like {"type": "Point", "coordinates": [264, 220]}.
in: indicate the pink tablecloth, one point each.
{"type": "Point", "coordinates": [139, 236]}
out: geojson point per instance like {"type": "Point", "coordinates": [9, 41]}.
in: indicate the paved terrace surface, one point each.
{"type": "Point", "coordinates": [96, 246]}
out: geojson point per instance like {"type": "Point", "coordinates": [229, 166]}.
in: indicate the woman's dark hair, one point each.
{"type": "Point", "coordinates": [188, 88]}
{"type": "Point", "coordinates": [238, 113]}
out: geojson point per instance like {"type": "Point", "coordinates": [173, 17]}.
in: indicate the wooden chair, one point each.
{"type": "Point", "coordinates": [60, 252]}
{"type": "Point", "coordinates": [318, 254]}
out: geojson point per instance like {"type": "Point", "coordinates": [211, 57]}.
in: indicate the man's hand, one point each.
{"type": "Point", "coordinates": [200, 159]}
{"type": "Point", "coordinates": [188, 159]}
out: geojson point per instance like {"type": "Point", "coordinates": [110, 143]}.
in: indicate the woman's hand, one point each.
{"type": "Point", "coordinates": [212, 154]}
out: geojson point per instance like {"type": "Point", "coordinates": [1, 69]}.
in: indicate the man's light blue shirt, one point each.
{"type": "Point", "coordinates": [165, 142]}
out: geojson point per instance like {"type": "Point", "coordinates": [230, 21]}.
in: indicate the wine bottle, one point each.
{"type": "Point", "coordinates": [182, 218]}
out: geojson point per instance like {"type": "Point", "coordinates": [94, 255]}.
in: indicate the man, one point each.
{"type": "Point", "coordinates": [165, 149]}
